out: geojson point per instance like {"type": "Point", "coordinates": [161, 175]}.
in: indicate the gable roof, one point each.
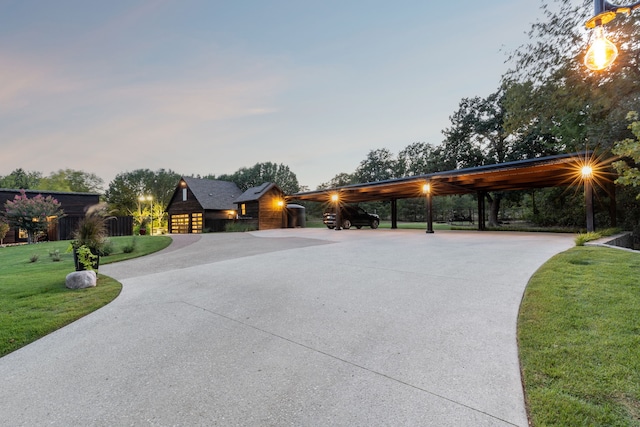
{"type": "Point", "coordinates": [255, 193]}
{"type": "Point", "coordinates": [213, 194]}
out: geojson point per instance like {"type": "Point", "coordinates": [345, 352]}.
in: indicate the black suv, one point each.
{"type": "Point", "coordinates": [351, 215]}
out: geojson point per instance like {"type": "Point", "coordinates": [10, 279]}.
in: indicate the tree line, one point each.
{"type": "Point", "coordinates": [142, 193]}
{"type": "Point", "coordinates": [546, 103]}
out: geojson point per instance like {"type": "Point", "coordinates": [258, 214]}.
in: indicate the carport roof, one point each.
{"type": "Point", "coordinates": [561, 170]}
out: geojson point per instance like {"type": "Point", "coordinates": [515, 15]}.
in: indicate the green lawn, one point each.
{"type": "Point", "coordinates": [579, 338]}
{"type": "Point", "coordinates": [34, 300]}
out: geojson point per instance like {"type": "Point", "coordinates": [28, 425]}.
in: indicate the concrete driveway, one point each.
{"type": "Point", "coordinates": [304, 327]}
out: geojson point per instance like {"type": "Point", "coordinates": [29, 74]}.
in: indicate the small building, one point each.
{"type": "Point", "coordinates": [74, 206]}
{"type": "Point", "coordinates": [265, 205]}
{"type": "Point", "coordinates": [199, 205]}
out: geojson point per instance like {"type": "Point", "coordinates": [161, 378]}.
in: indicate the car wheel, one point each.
{"type": "Point", "coordinates": [346, 224]}
{"type": "Point", "coordinates": [330, 227]}
{"type": "Point", "coordinates": [375, 223]}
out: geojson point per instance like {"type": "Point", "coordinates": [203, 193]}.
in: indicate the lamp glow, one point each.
{"type": "Point", "coordinates": [602, 52]}
{"type": "Point", "coordinates": [334, 198]}
{"type": "Point", "coordinates": [587, 172]}
{"type": "Point", "coordinates": [426, 188]}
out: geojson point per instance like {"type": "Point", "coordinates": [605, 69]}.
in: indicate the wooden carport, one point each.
{"type": "Point", "coordinates": [564, 170]}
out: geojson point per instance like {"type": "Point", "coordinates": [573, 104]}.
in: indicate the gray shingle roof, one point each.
{"type": "Point", "coordinates": [214, 194]}
{"type": "Point", "coordinates": [255, 193]}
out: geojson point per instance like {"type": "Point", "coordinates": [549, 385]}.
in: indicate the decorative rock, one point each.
{"type": "Point", "coordinates": [81, 279]}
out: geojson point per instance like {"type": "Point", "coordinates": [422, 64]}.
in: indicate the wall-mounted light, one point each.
{"type": "Point", "coordinates": [602, 52]}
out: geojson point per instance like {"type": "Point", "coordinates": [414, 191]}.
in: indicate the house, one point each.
{"type": "Point", "coordinates": [265, 205]}
{"type": "Point", "coordinates": [199, 205]}
{"type": "Point", "coordinates": [74, 206]}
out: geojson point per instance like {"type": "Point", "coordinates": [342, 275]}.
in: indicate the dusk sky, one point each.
{"type": "Point", "coordinates": [207, 87]}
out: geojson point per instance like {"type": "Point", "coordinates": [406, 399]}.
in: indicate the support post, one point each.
{"type": "Point", "coordinates": [394, 213]}
{"type": "Point", "coordinates": [588, 203]}
{"type": "Point", "coordinates": [429, 213]}
{"type": "Point", "coordinates": [481, 211]}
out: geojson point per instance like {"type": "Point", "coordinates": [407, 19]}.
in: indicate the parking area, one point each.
{"type": "Point", "coordinates": [301, 327]}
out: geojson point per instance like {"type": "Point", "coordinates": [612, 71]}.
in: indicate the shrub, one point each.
{"type": "Point", "coordinates": [583, 238]}
{"type": "Point", "coordinates": [107, 248]}
{"type": "Point", "coordinates": [32, 214]}
{"type": "Point", "coordinates": [55, 255]}
{"type": "Point", "coordinates": [34, 258]}
{"type": "Point", "coordinates": [91, 230]}
{"type": "Point", "coordinates": [86, 258]}
{"type": "Point", "coordinates": [4, 229]}
{"type": "Point", "coordinates": [130, 247]}
{"type": "Point", "coordinates": [240, 226]}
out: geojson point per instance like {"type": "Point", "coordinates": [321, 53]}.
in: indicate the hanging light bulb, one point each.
{"type": "Point", "coordinates": [602, 52]}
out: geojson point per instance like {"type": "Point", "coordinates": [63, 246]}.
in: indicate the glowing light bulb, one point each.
{"type": "Point", "coordinates": [587, 172]}
{"type": "Point", "coordinates": [602, 52]}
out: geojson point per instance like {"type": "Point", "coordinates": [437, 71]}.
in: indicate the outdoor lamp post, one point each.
{"type": "Point", "coordinates": [587, 178]}
{"type": "Point", "coordinates": [150, 199]}
{"type": "Point", "coordinates": [602, 51]}
{"type": "Point", "coordinates": [336, 200]}
{"type": "Point", "coordinates": [426, 189]}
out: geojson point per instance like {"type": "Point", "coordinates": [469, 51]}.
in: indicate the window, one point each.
{"type": "Point", "coordinates": [243, 209]}
{"type": "Point", "coordinates": [184, 194]}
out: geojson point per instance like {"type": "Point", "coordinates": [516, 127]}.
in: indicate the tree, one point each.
{"type": "Point", "coordinates": [32, 215]}
{"type": "Point", "coordinates": [559, 95]}
{"type": "Point", "coordinates": [21, 179]}
{"type": "Point", "coordinates": [629, 149]}
{"type": "Point", "coordinates": [379, 165]}
{"type": "Point", "coordinates": [420, 158]}
{"type": "Point", "coordinates": [260, 173]}
{"type": "Point", "coordinates": [124, 192]}
{"type": "Point", "coordinates": [340, 180]}
{"type": "Point", "coordinates": [477, 137]}
{"type": "Point", "coordinates": [4, 229]}
{"type": "Point", "coordinates": [72, 180]}
{"type": "Point", "coordinates": [556, 102]}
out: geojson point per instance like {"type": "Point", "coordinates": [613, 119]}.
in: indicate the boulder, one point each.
{"type": "Point", "coordinates": [81, 279]}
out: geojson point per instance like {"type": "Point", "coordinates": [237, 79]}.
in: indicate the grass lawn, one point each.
{"type": "Point", "coordinates": [34, 300]}
{"type": "Point", "coordinates": [579, 339]}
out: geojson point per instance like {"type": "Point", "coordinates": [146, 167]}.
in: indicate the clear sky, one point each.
{"type": "Point", "coordinates": [210, 86]}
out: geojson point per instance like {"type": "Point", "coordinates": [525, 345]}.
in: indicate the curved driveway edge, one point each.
{"type": "Point", "coordinates": [301, 327]}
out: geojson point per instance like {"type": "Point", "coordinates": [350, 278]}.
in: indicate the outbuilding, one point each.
{"type": "Point", "coordinates": [199, 205]}
{"type": "Point", "coordinates": [74, 206]}
{"type": "Point", "coordinates": [265, 205]}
